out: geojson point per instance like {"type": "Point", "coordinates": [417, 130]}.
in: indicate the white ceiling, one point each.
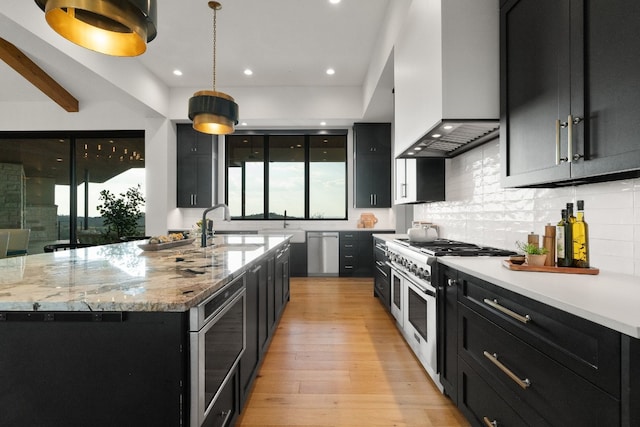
{"type": "Point", "coordinates": [284, 42]}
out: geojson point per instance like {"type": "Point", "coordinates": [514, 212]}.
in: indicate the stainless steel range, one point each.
{"type": "Point", "coordinates": [414, 291]}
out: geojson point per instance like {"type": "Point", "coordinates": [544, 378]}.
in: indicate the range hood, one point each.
{"type": "Point", "coordinates": [451, 137]}
{"type": "Point", "coordinates": [446, 78]}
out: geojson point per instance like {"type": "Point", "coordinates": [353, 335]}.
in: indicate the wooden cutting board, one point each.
{"type": "Point", "coordinates": [548, 269]}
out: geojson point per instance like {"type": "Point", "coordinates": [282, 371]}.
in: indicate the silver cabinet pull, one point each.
{"type": "Point", "coordinates": [489, 423]}
{"type": "Point", "coordinates": [525, 383]}
{"type": "Point", "coordinates": [569, 138]}
{"type": "Point", "coordinates": [226, 415]}
{"type": "Point", "coordinates": [451, 282]}
{"type": "Point", "coordinates": [520, 318]}
{"type": "Point", "coordinates": [558, 159]}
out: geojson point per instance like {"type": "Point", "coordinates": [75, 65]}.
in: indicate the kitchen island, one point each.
{"type": "Point", "coordinates": [100, 336]}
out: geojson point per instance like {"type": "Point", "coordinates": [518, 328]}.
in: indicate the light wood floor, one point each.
{"type": "Point", "coordinates": [337, 359]}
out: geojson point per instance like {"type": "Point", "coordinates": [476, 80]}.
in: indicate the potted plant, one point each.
{"type": "Point", "coordinates": [534, 254]}
{"type": "Point", "coordinates": [121, 214]}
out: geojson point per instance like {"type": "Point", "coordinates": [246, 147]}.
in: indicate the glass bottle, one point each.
{"type": "Point", "coordinates": [580, 231]}
{"type": "Point", "coordinates": [562, 249]}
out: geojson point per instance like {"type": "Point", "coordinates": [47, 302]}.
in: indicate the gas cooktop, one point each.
{"type": "Point", "coordinates": [444, 247]}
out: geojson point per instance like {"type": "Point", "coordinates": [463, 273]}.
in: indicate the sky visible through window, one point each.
{"type": "Point", "coordinates": [118, 184]}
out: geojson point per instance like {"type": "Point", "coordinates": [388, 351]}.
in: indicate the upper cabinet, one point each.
{"type": "Point", "coordinates": [446, 66]}
{"type": "Point", "coordinates": [420, 180]}
{"type": "Point", "coordinates": [570, 93]}
{"type": "Point", "coordinates": [372, 165]}
{"type": "Point", "coordinates": [195, 152]}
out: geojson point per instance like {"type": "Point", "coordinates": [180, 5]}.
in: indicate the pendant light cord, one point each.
{"type": "Point", "coordinates": [214, 47]}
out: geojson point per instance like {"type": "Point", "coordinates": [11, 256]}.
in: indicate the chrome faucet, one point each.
{"type": "Point", "coordinates": [227, 217]}
{"type": "Point", "coordinates": [285, 219]}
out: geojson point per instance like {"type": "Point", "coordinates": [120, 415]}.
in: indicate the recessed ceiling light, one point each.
{"type": "Point", "coordinates": [334, 1]}
{"type": "Point", "coordinates": [248, 72]}
{"type": "Point", "coordinates": [331, 71]}
{"type": "Point", "coordinates": [410, 153]}
{"type": "Point", "coordinates": [418, 148]}
{"type": "Point", "coordinates": [436, 135]}
{"type": "Point", "coordinates": [177, 72]}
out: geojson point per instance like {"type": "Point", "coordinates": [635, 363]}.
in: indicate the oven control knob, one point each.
{"type": "Point", "coordinates": [427, 276]}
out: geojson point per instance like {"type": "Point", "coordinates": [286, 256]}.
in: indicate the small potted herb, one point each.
{"type": "Point", "coordinates": [534, 254]}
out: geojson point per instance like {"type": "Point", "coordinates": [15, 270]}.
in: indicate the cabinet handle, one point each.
{"type": "Point", "coordinates": [493, 358]}
{"type": "Point", "coordinates": [403, 191]}
{"type": "Point", "coordinates": [348, 256]}
{"type": "Point", "coordinates": [348, 246]}
{"type": "Point", "coordinates": [569, 138]}
{"type": "Point", "coordinates": [371, 199]}
{"type": "Point", "coordinates": [348, 267]}
{"type": "Point", "coordinates": [520, 318]}
{"type": "Point", "coordinates": [226, 415]}
{"type": "Point", "coordinates": [488, 423]}
{"type": "Point", "coordinates": [558, 158]}
{"type": "Point", "coordinates": [451, 282]}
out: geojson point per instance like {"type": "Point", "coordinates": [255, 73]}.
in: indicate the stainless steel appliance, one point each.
{"type": "Point", "coordinates": [217, 340]}
{"type": "Point", "coordinates": [414, 292]}
{"type": "Point", "coordinates": [323, 253]}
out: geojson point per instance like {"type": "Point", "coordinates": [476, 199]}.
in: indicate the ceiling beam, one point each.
{"type": "Point", "coordinates": [37, 76]}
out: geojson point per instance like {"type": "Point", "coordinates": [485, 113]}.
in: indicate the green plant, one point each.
{"type": "Point", "coordinates": [531, 249]}
{"type": "Point", "coordinates": [121, 214]}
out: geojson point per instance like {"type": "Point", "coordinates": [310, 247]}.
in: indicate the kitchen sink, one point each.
{"type": "Point", "coordinates": [298, 235]}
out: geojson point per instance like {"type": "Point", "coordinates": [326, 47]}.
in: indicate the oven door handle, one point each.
{"type": "Point", "coordinates": [413, 282]}
{"type": "Point", "coordinates": [423, 290]}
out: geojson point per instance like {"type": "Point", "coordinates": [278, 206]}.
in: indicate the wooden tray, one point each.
{"type": "Point", "coordinates": [168, 245]}
{"type": "Point", "coordinates": [548, 269]}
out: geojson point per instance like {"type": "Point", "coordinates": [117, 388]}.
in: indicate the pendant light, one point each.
{"type": "Point", "coordinates": [211, 111]}
{"type": "Point", "coordinates": [112, 27]}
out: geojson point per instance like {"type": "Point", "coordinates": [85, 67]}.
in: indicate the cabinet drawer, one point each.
{"type": "Point", "coordinates": [224, 411]}
{"type": "Point", "coordinates": [587, 348]}
{"type": "Point", "coordinates": [483, 405]}
{"type": "Point", "coordinates": [518, 370]}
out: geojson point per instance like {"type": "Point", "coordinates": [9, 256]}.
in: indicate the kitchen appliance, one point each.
{"type": "Point", "coordinates": [323, 253]}
{"type": "Point", "coordinates": [217, 333]}
{"type": "Point", "coordinates": [415, 291]}
{"type": "Point", "coordinates": [422, 232]}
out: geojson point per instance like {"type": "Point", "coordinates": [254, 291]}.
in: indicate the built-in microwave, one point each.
{"type": "Point", "coordinates": [217, 340]}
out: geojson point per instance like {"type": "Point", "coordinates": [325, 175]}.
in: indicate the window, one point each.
{"type": "Point", "coordinates": [37, 170]}
{"type": "Point", "coordinates": [303, 174]}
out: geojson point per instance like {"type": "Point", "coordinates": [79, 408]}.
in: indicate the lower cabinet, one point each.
{"type": "Point", "coordinates": [508, 360]}
{"type": "Point", "coordinates": [267, 292]}
{"type": "Point", "coordinates": [382, 273]}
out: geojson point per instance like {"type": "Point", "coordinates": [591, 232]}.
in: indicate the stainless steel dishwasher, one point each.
{"type": "Point", "coordinates": [323, 253]}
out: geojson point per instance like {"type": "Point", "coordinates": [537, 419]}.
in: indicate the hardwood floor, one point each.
{"type": "Point", "coordinates": [337, 359]}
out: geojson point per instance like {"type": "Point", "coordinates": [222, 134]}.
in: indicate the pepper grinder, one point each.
{"type": "Point", "coordinates": [549, 243]}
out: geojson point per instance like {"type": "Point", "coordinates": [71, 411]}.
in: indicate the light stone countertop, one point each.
{"type": "Point", "coordinates": [609, 299]}
{"type": "Point", "coordinates": [123, 277]}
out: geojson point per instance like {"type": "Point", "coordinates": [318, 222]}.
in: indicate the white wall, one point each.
{"type": "Point", "coordinates": [479, 210]}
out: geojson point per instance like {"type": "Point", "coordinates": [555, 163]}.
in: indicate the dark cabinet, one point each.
{"type": "Point", "coordinates": [298, 261]}
{"type": "Point", "coordinates": [256, 285]}
{"type": "Point", "coordinates": [372, 165]}
{"type": "Point", "coordinates": [281, 279]}
{"type": "Point", "coordinates": [420, 180]}
{"type": "Point", "coordinates": [569, 99]}
{"type": "Point", "coordinates": [519, 359]}
{"type": "Point", "coordinates": [448, 330]}
{"type": "Point", "coordinates": [356, 257]}
{"type": "Point", "coordinates": [195, 167]}
{"type": "Point", "coordinates": [381, 273]}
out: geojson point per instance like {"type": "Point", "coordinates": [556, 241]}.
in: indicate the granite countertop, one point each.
{"type": "Point", "coordinates": [123, 277]}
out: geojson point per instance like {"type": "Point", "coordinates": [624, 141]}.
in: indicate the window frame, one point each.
{"type": "Point", "coordinates": [306, 133]}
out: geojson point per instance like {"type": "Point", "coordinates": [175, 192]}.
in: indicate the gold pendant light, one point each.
{"type": "Point", "coordinates": [213, 112]}
{"type": "Point", "coordinates": [112, 27]}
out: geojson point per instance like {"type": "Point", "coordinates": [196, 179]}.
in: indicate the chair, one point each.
{"type": "Point", "coordinates": [18, 241]}
{"type": "Point", "coordinates": [4, 243]}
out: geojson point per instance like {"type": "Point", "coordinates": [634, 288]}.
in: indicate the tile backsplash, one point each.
{"type": "Point", "coordinates": [480, 211]}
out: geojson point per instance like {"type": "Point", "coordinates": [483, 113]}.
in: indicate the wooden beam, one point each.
{"type": "Point", "coordinates": [37, 76]}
